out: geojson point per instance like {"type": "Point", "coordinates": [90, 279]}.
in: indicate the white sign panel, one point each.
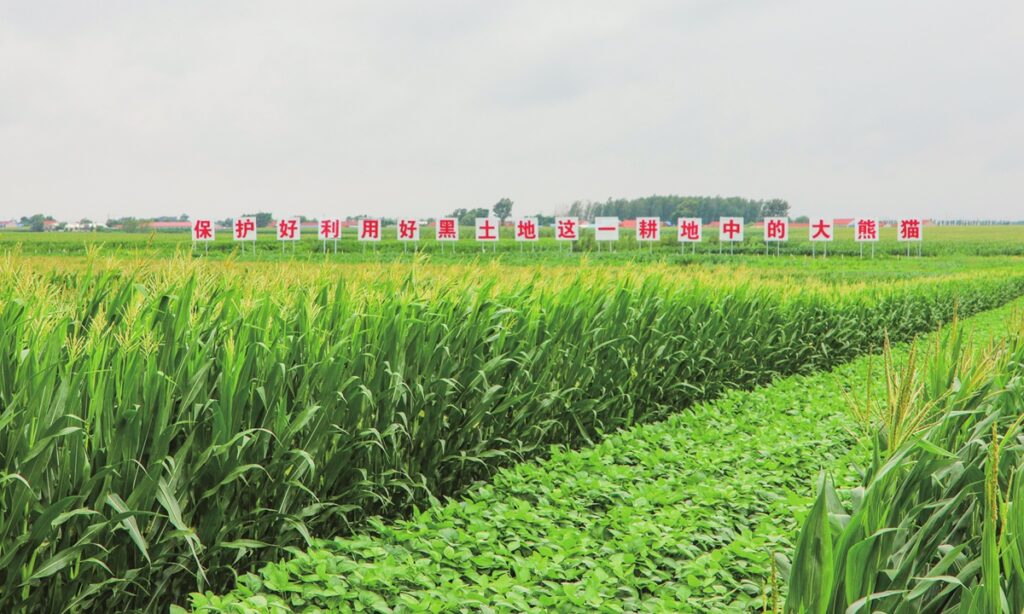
{"type": "Point", "coordinates": [821, 229]}
{"type": "Point", "coordinates": [567, 228]}
{"type": "Point", "coordinates": [369, 230]}
{"type": "Point", "coordinates": [244, 229]}
{"type": "Point", "coordinates": [289, 229]}
{"type": "Point", "coordinates": [329, 230]}
{"type": "Point", "coordinates": [526, 229]}
{"type": "Point", "coordinates": [202, 230]}
{"type": "Point", "coordinates": [865, 230]}
{"type": "Point", "coordinates": [690, 229]}
{"type": "Point", "coordinates": [776, 229]}
{"type": "Point", "coordinates": [730, 229]}
{"type": "Point", "coordinates": [909, 229]}
{"type": "Point", "coordinates": [487, 229]}
{"type": "Point", "coordinates": [606, 228]}
{"type": "Point", "coordinates": [447, 229]}
{"type": "Point", "coordinates": [408, 230]}
{"type": "Point", "coordinates": [648, 229]}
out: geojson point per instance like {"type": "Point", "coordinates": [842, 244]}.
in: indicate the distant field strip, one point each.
{"type": "Point", "coordinates": [1000, 240]}
{"type": "Point", "coordinates": [682, 516]}
{"type": "Point", "coordinates": [166, 425]}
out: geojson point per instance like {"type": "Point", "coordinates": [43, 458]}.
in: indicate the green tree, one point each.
{"type": "Point", "coordinates": [775, 208]}
{"type": "Point", "coordinates": [130, 224]}
{"type": "Point", "coordinates": [503, 209]}
{"type": "Point", "coordinates": [468, 217]}
{"type": "Point", "coordinates": [36, 223]}
{"type": "Point", "coordinates": [263, 219]}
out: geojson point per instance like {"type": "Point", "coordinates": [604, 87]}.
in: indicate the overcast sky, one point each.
{"type": "Point", "coordinates": [217, 108]}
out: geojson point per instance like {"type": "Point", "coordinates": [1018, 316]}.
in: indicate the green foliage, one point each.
{"type": "Point", "coordinates": [467, 217]}
{"type": "Point", "coordinates": [681, 516]}
{"type": "Point", "coordinates": [775, 208]}
{"type": "Point", "coordinates": [709, 208]}
{"type": "Point", "coordinates": [936, 525]}
{"type": "Point", "coordinates": [263, 218]}
{"type": "Point", "coordinates": [161, 430]}
{"type": "Point", "coordinates": [503, 209]}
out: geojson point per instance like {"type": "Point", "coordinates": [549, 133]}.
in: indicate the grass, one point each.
{"type": "Point", "coordinates": [693, 514]}
{"type": "Point", "coordinates": [166, 426]}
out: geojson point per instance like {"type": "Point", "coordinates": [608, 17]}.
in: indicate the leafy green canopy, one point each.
{"type": "Point", "coordinates": [937, 524]}
{"type": "Point", "coordinates": [159, 432]}
{"type": "Point", "coordinates": [678, 516]}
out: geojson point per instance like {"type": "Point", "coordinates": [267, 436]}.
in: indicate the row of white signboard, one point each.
{"type": "Point", "coordinates": [686, 229]}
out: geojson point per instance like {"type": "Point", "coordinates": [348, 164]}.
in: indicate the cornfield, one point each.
{"type": "Point", "coordinates": [164, 429]}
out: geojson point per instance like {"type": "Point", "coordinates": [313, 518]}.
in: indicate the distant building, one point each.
{"type": "Point", "coordinates": [79, 227]}
{"type": "Point", "coordinates": [8, 223]}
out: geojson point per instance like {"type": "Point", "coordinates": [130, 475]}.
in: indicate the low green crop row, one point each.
{"type": "Point", "coordinates": [937, 523]}
{"type": "Point", "coordinates": [682, 515]}
{"type": "Point", "coordinates": [160, 432]}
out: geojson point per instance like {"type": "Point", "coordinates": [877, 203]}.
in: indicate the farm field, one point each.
{"type": "Point", "coordinates": [171, 422]}
{"type": "Point", "coordinates": [454, 308]}
{"type": "Point", "coordinates": [698, 513]}
{"type": "Point", "coordinates": [938, 241]}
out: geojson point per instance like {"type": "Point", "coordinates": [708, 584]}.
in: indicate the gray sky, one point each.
{"type": "Point", "coordinates": [215, 108]}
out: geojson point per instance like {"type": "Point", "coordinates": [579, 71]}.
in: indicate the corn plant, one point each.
{"type": "Point", "coordinates": [937, 524]}
{"type": "Point", "coordinates": [166, 427]}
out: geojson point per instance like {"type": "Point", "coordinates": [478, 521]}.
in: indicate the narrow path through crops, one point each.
{"type": "Point", "coordinates": [682, 515]}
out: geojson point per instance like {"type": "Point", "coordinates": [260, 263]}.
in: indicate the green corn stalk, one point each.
{"type": "Point", "coordinates": [163, 429]}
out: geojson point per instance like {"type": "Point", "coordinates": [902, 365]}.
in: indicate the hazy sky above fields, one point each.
{"type": "Point", "coordinates": [147, 108]}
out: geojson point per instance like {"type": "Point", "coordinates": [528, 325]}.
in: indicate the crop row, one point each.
{"type": "Point", "coordinates": [686, 515]}
{"type": "Point", "coordinates": [160, 431]}
{"type": "Point", "coordinates": [937, 522]}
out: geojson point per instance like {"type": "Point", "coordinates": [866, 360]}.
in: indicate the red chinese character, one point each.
{"type": "Point", "coordinates": [407, 229]}
{"type": "Point", "coordinates": [777, 229]}
{"type": "Point", "coordinates": [526, 230]}
{"type": "Point", "coordinates": [286, 229]}
{"type": "Point", "coordinates": [203, 229]}
{"type": "Point", "coordinates": [446, 229]}
{"type": "Point", "coordinates": [566, 229]}
{"type": "Point", "coordinates": [867, 229]}
{"type": "Point", "coordinates": [689, 230]}
{"type": "Point", "coordinates": [647, 228]}
{"type": "Point", "coordinates": [330, 229]}
{"type": "Point", "coordinates": [731, 228]}
{"type": "Point", "coordinates": [243, 227]}
{"type": "Point", "coordinates": [821, 230]}
{"type": "Point", "coordinates": [910, 229]}
{"type": "Point", "coordinates": [483, 231]}
{"type": "Point", "coordinates": [369, 229]}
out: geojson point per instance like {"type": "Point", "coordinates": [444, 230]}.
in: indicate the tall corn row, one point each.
{"type": "Point", "coordinates": [160, 432]}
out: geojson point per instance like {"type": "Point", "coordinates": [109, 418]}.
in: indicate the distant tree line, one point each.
{"type": "Point", "coordinates": [708, 208]}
